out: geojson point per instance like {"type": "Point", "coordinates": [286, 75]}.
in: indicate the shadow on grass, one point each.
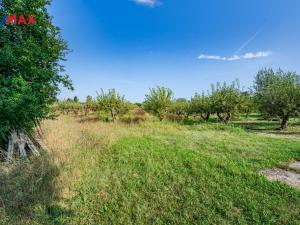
{"type": "Point", "coordinates": [254, 124]}
{"type": "Point", "coordinates": [89, 119]}
{"type": "Point", "coordinates": [269, 127]}
{"type": "Point", "coordinates": [28, 188]}
{"type": "Point", "coordinates": [257, 125]}
{"type": "Point", "coordinates": [197, 121]}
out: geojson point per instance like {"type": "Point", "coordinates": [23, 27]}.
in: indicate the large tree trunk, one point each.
{"type": "Point", "coordinates": [247, 114]}
{"type": "Point", "coordinates": [205, 116]}
{"type": "Point", "coordinates": [228, 116]}
{"type": "Point", "coordinates": [20, 144]}
{"type": "Point", "coordinates": [220, 116]}
{"type": "Point", "coordinates": [284, 122]}
{"type": "Point", "coordinates": [224, 117]}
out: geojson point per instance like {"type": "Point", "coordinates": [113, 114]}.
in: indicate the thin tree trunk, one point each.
{"type": "Point", "coordinates": [284, 122]}
{"type": "Point", "coordinates": [228, 116]}
{"type": "Point", "coordinates": [205, 116]}
{"type": "Point", "coordinates": [220, 116]}
{"type": "Point", "coordinates": [247, 115]}
{"type": "Point", "coordinates": [113, 115]}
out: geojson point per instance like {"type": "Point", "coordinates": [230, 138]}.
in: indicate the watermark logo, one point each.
{"type": "Point", "coordinates": [17, 20]}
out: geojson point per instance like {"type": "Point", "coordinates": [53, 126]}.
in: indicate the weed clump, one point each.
{"type": "Point", "coordinates": [135, 116]}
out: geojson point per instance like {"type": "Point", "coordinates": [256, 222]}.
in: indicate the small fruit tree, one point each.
{"type": "Point", "coordinates": [159, 101]}
{"type": "Point", "coordinates": [278, 94]}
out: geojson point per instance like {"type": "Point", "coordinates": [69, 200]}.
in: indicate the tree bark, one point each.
{"type": "Point", "coordinates": [228, 116]}
{"type": "Point", "coordinates": [113, 115]}
{"type": "Point", "coordinates": [225, 117]}
{"type": "Point", "coordinates": [205, 116]}
{"type": "Point", "coordinates": [20, 142]}
{"type": "Point", "coordinates": [284, 122]}
{"type": "Point", "coordinates": [220, 116]}
{"type": "Point", "coordinates": [247, 114]}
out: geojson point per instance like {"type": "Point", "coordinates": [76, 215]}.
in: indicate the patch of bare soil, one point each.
{"type": "Point", "coordinates": [288, 177]}
{"type": "Point", "coordinates": [295, 166]}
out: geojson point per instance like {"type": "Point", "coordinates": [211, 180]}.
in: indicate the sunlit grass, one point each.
{"type": "Point", "coordinates": [166, 173]}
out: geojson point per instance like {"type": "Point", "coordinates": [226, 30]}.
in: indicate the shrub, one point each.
{"type": "Point", "coordinates": [181, 108]}
{"type": "Point", "coordinates": [136, 115]}
{"type": "Point", "coordinates": [174, 117]}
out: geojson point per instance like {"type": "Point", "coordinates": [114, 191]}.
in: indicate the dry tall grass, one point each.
{"type": "Point", "coordinates": [86, 156]}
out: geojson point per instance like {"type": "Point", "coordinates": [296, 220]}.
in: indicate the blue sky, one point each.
{"type": "Point", "coordinates": [132, 45]}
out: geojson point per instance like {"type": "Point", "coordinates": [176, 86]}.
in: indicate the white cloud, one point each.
{"type": "Point", "coordinates": [247, 56]}
{"type": "Point", "coordinates": [251, 55]}
{"type": "Point", "coordinates": [150, 3]}
{"type": "Point", "coordinates": [234, 58]}
{"type": "Point", "coordinates": [215, 57]}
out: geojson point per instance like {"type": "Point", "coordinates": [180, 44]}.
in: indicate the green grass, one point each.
{"type": "Point", "coordinates": [165, 173]}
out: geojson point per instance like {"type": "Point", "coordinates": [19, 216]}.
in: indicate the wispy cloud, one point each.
{"type": "Point", "coordinates": [150, 3]}
{"type": "Point", "coordinates": [246, 43]}
{"type": "Point", "coordinates": [247, 56]}
{"type": "Point", "coordinates": [237, 56]}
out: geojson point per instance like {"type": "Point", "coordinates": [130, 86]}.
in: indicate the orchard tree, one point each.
{"type": "Point", "coordinates": [159, 101]}
{"type": "Point", "coordinates": [180, 107]}
{"type": "Point", "coordinates": [89, 105]}
{"type": "Point", "coordinates": [76, 99]}
{"type": "Point", "coordinates": [111, 102]}
{"type": "Point", "coordinates": [247, 103]}
{"type": "Point", "coordinates": [76, 107]}
{"type": "Point", "coordinates": [65, 106]}
{"type": "Point", "coordinates": [30, 72]}
{"type": "Point", "coordinates": [202, 105]}
{"type": "Point", "coordinates": [225, 100]}
{"type": "Point", "coordinates": [278, 94]}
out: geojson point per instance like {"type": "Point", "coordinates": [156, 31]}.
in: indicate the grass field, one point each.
{"type": "Point", "coordinates": [154, 173]}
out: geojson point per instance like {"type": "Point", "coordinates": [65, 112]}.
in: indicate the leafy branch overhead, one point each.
{"type": "Point", "coordinates": [30, 67]}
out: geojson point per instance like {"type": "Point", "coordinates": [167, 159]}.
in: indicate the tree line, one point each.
{"type": "Point", "coordinates": [31, 75]}
{"type": "Point", "coordinates": [274, 94]}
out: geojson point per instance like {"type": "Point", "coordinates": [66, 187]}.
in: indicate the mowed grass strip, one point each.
{"type": "Point", "coordinates": [161, 173]}
{"type": "Point", "coordinates": [173, 174]}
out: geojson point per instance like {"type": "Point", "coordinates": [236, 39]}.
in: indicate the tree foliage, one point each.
{"type": "Point", "coordinates": [225, 100]}
{"type": "Point", "coordinates": [201, 105]}
{"type": "Point", "coordinates": [112, 102]}
{"type": "Point", "coordinates": [247, 103]}
{"type": "Point", "coordinates": [180, 107]}
{"type": "Point", "coordinates": [90, 105]}
{"type": "Point", "coordinates": [159, 101]}
{"type": "Point", "coordinates": [30, 69]}
{"type": "Point", "coordinates": [278, 94]}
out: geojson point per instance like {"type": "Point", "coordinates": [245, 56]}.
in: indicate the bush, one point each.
{"type": "Point", "coordinates": [181, 108]}
{"type": "Point", "coordinates": [136, 115]}
{"type": "Point", "coordinates": [174, 117]}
